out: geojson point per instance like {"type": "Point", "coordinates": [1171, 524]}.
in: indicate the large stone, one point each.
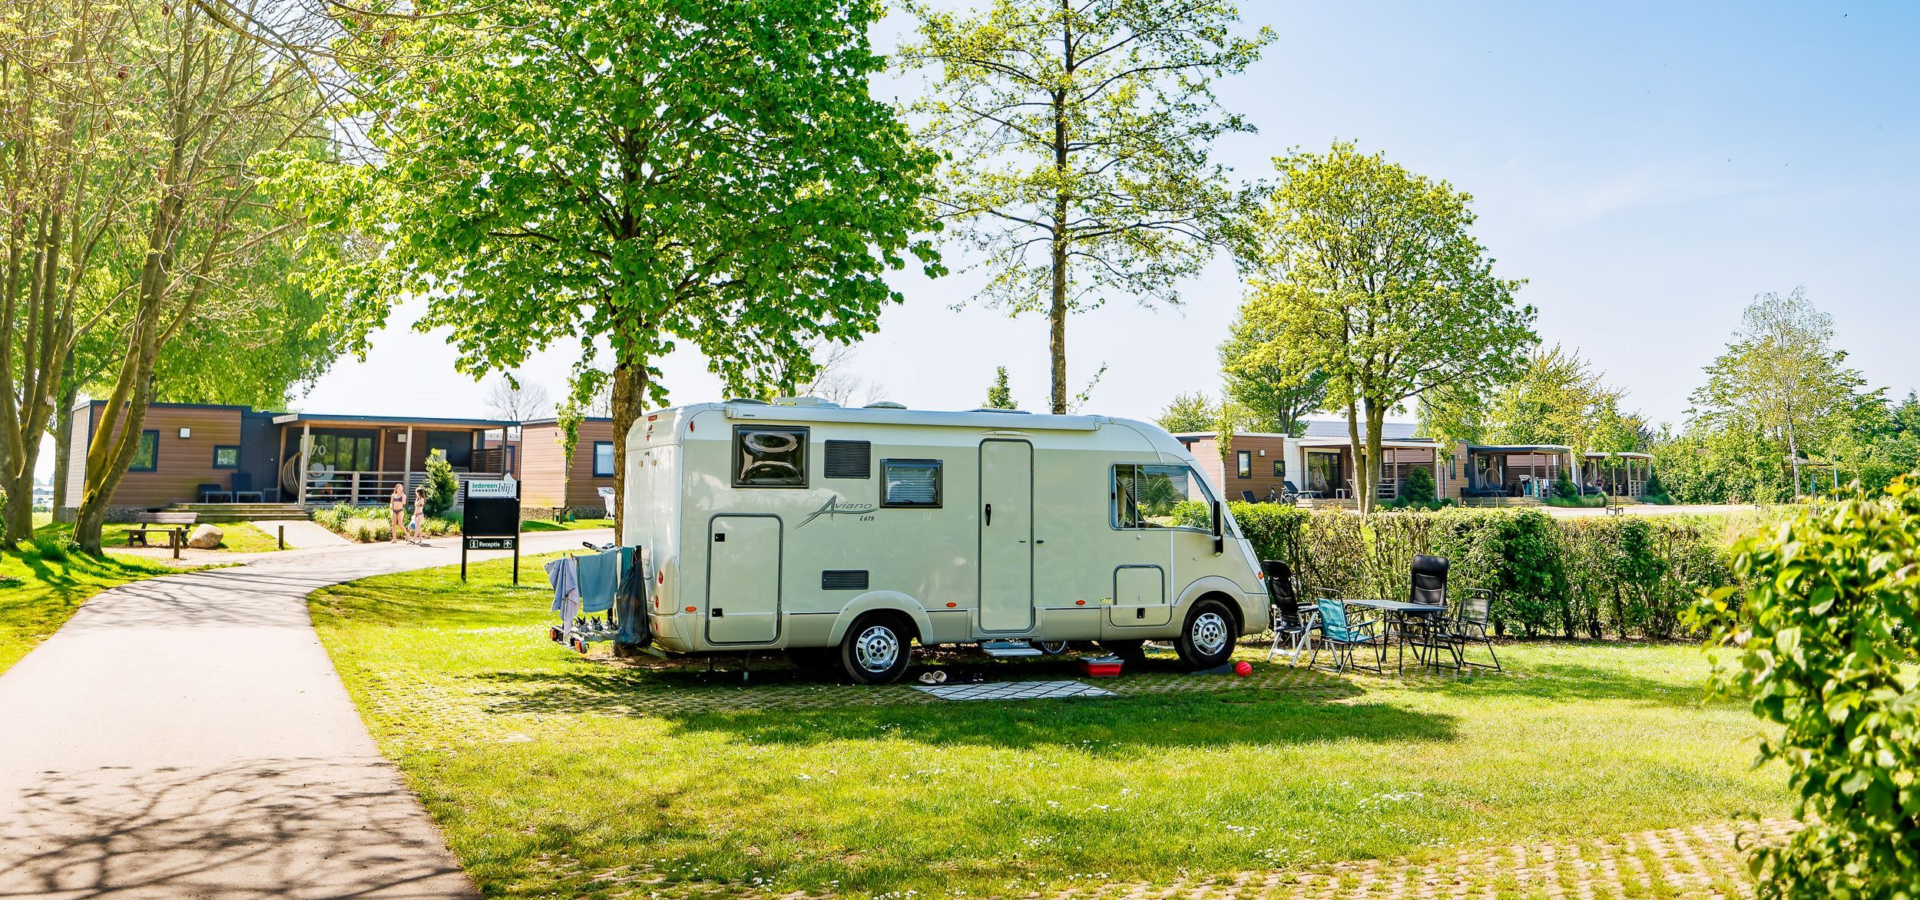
{"type": "Point", "coordinates": [205, 537]}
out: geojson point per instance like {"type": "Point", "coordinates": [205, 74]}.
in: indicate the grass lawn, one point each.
{"type": "Point", "coordinates": [40, 591]}
{"type": "Point", "coordinates": [557, 775]}
{"type": "Point", "coordinates": [237, 537]}
{"type": "Point", "coordinates": [575, 525]}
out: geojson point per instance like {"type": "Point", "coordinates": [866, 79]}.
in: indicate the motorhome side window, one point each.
{"type": "Point", "coordinates": [1145, 496]}
{"type": "Point", "coordinates": [910, 483]}
{"type": "Point", "coordinates": [769, 456]}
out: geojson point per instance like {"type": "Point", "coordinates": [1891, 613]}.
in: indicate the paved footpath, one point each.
{"type": "Point", "coordinates": [187, 736]}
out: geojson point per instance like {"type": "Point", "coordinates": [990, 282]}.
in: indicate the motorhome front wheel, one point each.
{"type": "Point", "coordinates": [1207, 640]}
{"type": "Point", "coordinates": [875, 651]}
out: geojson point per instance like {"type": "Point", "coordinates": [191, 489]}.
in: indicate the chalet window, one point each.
{"type": "Point", "coordinates": [1244, 464]}
{"type": "Point", "coordinates": [226, 457]}
{"type": "Point", "coordinates": [1279, 468]}
{"type": "Point", "coordinates": [910, 483]}
{"type": "Point", "coordinates": [769, 456]}
{"type": "Point", "coordinates": [146, 457]}
{"type": "Point", "coordinates": [602, 459]}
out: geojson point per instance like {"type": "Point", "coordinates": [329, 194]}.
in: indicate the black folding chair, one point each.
{"type": "Point", "coordinates": [1476, 607]}
{"type": "Point", "coordinates": [1248, 496]}
{"type": "Point", "coordinates": [1292, 627]}
{"type": "Point", "coordinates": [1430, 634]}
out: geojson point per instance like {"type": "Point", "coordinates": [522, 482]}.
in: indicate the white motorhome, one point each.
{"type": "Point", "coordinates": [843, 535]}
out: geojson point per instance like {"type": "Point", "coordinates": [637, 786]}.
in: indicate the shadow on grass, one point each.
{"type": "Point", "coordinates": [1566, 682]}
{"type": "Point", "coordinates": [789, 707]}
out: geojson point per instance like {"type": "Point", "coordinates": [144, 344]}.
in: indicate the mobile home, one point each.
{"type": "Point", "coordinates": [845, 535]}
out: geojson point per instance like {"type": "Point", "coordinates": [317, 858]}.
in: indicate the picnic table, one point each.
{"type": "Point", "coordinates": [173, 524]}
{"type": "Point", "coordinates": [1405, 612]}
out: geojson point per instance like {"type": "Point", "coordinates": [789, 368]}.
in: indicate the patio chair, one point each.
{"type": "Point", "coordinates": [213, 493]}
{"type": "Point", "coordinates": [243, 488]}
{"type": "Point", "coordinates": [1429, 635]}
{"type": "Point", "coordinates": [1292, 625]}
{"type": "Point", "coordinates": [1343, 635]}
{"type": "Point", "coordinates": [1471, 627]}
{"type": "Point", "coordinates": [1298, 493]}
{"type": "Point", "coordinates": [1248, 497]}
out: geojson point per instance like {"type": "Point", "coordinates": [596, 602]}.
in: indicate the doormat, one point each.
{"type": "Point", "coordinates": [1014, 690]}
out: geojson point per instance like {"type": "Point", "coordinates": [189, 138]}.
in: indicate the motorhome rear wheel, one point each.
{"type": "Point", "coordinates": [876, 650]}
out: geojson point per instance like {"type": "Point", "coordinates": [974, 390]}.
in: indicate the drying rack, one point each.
{"type": "Point", "coordinates": [571, 634]}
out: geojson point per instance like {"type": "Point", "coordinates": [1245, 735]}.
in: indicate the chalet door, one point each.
{"type": "Point", "coordinates": [1006, 536]}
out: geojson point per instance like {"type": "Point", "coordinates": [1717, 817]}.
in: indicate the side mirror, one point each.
{"type": "Point", "coordinates": [1219, 528]}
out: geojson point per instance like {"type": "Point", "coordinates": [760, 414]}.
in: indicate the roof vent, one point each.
{"type": "Point", "coordinates": [885, 404]}
{"type": "Point", "coordinates": [747, 400]}
{"type": "Point", "coordinates": [1017, 412]}
{"type": "Point", "coordinates": [804, 401]}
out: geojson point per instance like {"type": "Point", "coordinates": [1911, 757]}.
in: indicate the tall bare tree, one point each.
{"type": "Point", "coordinates": [1078, 136]}
{"type": "Point", "coordinates": [514, 398]}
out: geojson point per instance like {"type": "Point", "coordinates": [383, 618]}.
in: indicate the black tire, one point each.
{"type": "Point", "coordinates": [1051, 648]}
{"type": "Point", "coordinates": [1128, 651]}
{"type": "Point", "coordinates": [1207, 639]}
{"type": "Point", "coordinates": [876, 650]}
{"type": "Point", "coordinates": [814, 659]}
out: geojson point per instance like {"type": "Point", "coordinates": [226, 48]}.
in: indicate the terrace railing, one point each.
{"type": "Point", "coordinates": [374, 488]}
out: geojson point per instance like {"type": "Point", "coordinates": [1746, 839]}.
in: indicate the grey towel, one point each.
{"type": "Point", "coordinates": [599, 574]}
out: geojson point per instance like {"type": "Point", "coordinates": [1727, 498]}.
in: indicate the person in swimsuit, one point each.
{"type": "Point", "coordinates": [397, 503]}
{"type": "Point", "coordinates": [419, 529]}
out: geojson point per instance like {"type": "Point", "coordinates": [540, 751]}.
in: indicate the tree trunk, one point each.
{"type": "Point", "coordinates": [1357, 449]}
{"type": "Point", "coordinates": [629, 401]}
{"type": "Point", "coordinates": [63, 440]}
{"type": "Point", "coordinates": [1057, 327]}
{"type": "Point", "coordinates": [1793, 456]}
{"type": "Point", "coordinates": [1376, 422]}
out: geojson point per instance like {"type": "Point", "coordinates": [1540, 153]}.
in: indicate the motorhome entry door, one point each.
{"type": "Point", "coordinates": [743, 579]}
{"type": "Point", "coordinates": [1006, 535]}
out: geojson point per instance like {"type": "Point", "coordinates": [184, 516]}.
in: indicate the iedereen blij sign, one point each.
{"type": "Point", "coordinates": [490, 520]}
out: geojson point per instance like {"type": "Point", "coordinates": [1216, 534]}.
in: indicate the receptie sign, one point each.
{"type": "Point", "coordinates": [490, 520]}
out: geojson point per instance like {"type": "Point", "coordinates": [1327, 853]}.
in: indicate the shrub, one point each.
{"type": "Point", "coordinates": [1589, 577]}
{"type": "Point", "coordinates": [372, 523]}
{"type": "Point", "coordinates": [1591, 501]}
{"type": "Point", "coordinates": [1652, 491]}
{"type": "Point", "coordinates": [1417, 487]}
{"type": "Point", "coordinates": [1563, 488]}
{"type": "Point", "coordinates": [1827, 629]}
{"type": "Point", "coordinates": [50, 549]}
{"type": "Point", "coordinates": [442, 486]}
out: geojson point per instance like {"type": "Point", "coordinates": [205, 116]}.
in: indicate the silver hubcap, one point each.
{"type": "Point", "coordinates": [1209, 633]}
{"type": "Point", "coordinates": [876, 649]}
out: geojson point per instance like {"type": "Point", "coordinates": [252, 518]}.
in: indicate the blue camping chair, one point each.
{"type": "Point", "coordinates": [1342, 635]}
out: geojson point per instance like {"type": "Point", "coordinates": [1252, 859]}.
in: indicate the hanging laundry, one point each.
{"type": "Point", "coordinates": [598, 573]}
{"type": "Point", "coordinates": [563, 574]}
{"type": "Point", "coordinates": [636, 587]}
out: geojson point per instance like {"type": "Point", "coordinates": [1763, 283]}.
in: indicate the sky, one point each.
{"type": "Point", "coordinates": [1646, 167]}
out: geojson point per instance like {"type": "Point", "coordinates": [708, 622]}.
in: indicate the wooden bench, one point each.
{"type": "Point", "coordinates": [173, 524]}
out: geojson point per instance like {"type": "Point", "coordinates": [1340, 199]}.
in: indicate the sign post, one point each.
{"type": "Point", "coordinates": [491, 520]}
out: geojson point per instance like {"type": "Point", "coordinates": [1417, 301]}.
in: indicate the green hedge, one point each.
{"type": "Point", "coordinates": [1589, 577]}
